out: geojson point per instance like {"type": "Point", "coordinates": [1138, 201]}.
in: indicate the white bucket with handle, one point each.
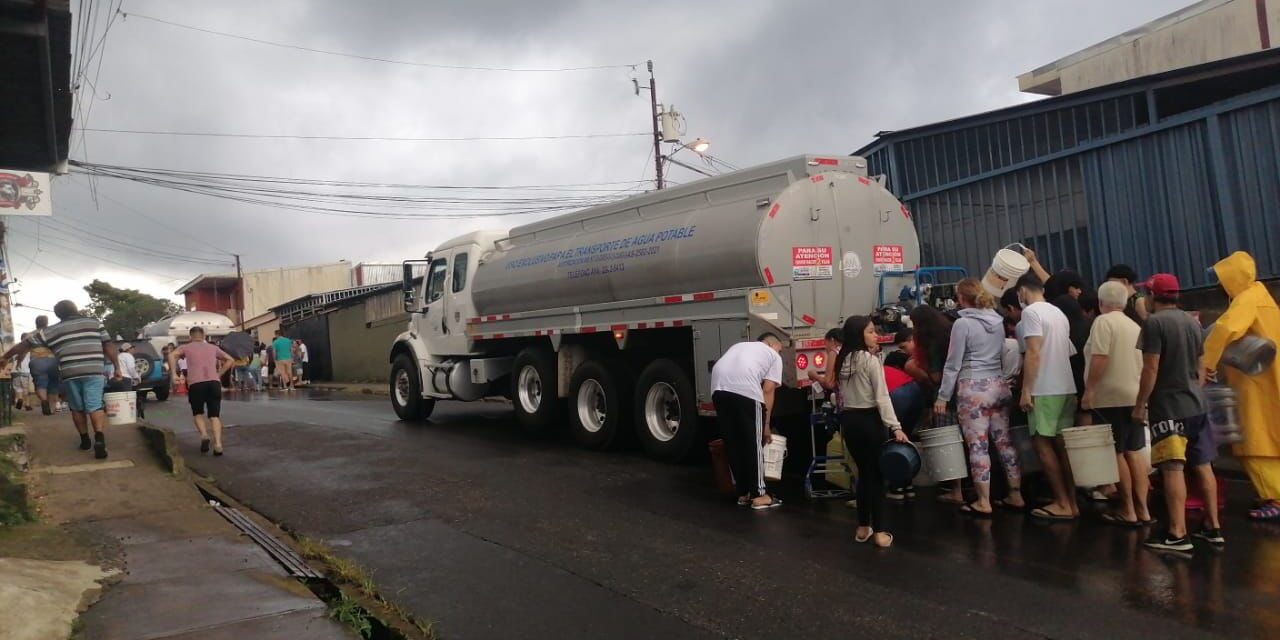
{"type": "Point", "coordinates": [775, 453]}
{"type": "Point", "coordinates": [1092, 454]}
{"type": "Point", "coordinates": [121, 407]}
{"type": "Point", "coordinates": [1006, 267]}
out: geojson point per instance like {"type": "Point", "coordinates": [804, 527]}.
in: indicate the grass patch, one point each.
{"type": "Point", "coordinates": [346, 572]}
{"type": "Point", "coordinates": [350, 613]}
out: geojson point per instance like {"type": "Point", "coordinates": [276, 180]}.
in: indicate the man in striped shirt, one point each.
{"type": "Point", "coordinates": [83, 348]}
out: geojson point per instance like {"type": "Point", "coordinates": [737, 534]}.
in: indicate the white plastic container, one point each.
{"type": "Point", "coordinates": [1006, 267]}
{"type": "Point", "coordinates": [774, 455]}
{"type": "Point", "coordinates": [1092, 453]}
{"type": "Point", "coordinates": [121, 407]}
{"type": "Point", "coordinates": [942, 451]}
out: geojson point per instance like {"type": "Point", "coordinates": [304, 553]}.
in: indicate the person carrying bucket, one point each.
{"type": "Point", "coordinates": [1048, 393]}
{"type": "Point", "coordinates": [867, 420]}
{"type": "Point", "coordinates": [1252, 312]}
{"type": "Point", "coordinates": [974, 374]}
{"type": "Point", "coordinates": [1170, 398]}
{"type": "Point", "coordinates": [931, 331]}
{"type": "Point", "coordinates": [743, 382]}
{"type": "Point", "coordinates": [1113, 366]}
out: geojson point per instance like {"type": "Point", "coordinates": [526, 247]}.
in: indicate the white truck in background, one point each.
{"type": "Point", "coordinates": [614, 315]}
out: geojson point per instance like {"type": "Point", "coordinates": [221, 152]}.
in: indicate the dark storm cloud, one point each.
{"type": "Point", "coordinates": [762, 80]}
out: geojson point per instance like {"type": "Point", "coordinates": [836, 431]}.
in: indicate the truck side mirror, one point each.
{"type": "Point", "coordinates": [406, 287]}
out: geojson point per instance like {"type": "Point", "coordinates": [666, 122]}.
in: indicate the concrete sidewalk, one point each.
{"type": "Point", "coordinates": [185, 572]}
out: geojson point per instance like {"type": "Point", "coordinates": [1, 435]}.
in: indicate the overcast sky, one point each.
{"type": "Point", "coordinates": [761, 80]}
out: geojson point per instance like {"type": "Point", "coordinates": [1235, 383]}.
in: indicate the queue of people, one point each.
{"type": "Point", "coordinates": [1051, 354]}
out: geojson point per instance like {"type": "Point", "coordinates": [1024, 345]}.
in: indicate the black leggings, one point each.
{"type": "Point", "coordinates": [740, 426]}
{"type": "Point", "coordinates": [863, 433]}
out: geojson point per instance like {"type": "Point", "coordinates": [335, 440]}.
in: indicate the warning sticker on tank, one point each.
{"type": "Point", "coordinates": [811, 263]}
{"type": "Point", "coordinates": [851, 265]}
{"type": "Point", "coordinates": [887, 257]}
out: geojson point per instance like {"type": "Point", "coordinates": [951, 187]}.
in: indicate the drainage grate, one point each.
{"type": "Point", "coordinates": [284, 555]}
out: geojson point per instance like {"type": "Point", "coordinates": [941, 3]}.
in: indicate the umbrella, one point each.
{"type": "Point", "coordinates": [238, 344]}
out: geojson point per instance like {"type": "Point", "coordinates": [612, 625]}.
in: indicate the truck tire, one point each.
{"type": "Point", "coordinates": [666, 412]}
{"type": "Point", "coordinates": [162, 391]}
{"type": "Point", "coordinates": [406, 391]}
{"type": "Point", "coordinates": [599, 406]}
{"type": "Point", "coordinates": [533, 390]}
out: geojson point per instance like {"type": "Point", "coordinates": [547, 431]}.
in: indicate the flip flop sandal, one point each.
{"type": "Point", "coordinates": [1113, 519]}
{"type": "Point", "coordinates": [969, 510]}
{"type": "Point", "coordinates": [1045, 514]}
{"type": "Point", "coordinates": [890, 540]}
{"type": "Point", "coordinates": [744, 501]}
{"type": "Point", "coordinates": [1266, 513]}
{"type": "Point", "coordinates": [773, 503]}
{"type": "Point", "coordinates": [861, 540]}
{"type": "Point", "coordinates": [1098, 496]}
{"type": "Point", "coordinates": [204, 445]}
{"type": "Point", "coordinates": [1149, 523]}
{"type": "Point", "coordinates": [1001, 504]}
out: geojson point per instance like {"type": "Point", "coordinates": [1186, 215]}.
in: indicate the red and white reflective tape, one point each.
{"type": "Point", "coordinates": [705, 296]}
{"type": "Point", "coordinates": [864, 180]}
{"type": "Point", "coordinates": [498, 318]}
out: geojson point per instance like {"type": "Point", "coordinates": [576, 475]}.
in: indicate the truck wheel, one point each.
{"type": "Point", "coordinates": [533, 390]}
{"type": "Point", "coordinates": [406, 391]}
{"type": "Point", "coordinates": [598, 413]}
{"type": "Point", "coordinates": [162, 391]}
{"type": "Point", "coordinates": [666, 414]}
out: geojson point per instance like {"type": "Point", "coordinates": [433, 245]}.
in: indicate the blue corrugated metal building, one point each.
{"type": "Point", "coordinates": [1165, 173]}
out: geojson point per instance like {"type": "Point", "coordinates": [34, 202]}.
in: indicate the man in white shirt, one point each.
{"type": "Point", "coordinates": [1048, 393]}
{"type": "Point", "coordinates": [743, 382]}
{"type": "Point", "coordinates": [305, 359]}
{"type": "Point", "coordinates": [129, 365]}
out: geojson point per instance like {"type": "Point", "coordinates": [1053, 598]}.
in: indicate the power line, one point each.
{"type": "Point", "coordinates": [78, 251]}
{"type": "Point", "coordinates": [268, 136]}
{"type": "Point", "coordinates": [162, 223]}
{"type": "Point", "coordinates": [75, 235]}
{"type": "Point", "coordinates": [355, 56]}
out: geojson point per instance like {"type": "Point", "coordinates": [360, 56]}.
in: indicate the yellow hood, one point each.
{"type": "Point", "coordinates": [1236, 272]}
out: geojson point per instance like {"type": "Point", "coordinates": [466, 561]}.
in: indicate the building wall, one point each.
{"type": "Point", "coordinates": [222, 301]}
{"type": "Point", "coordinates": [1173, 195]}
{"type": "Point", "coordinates": [267, 288]}
{"type": "Point", "coordinates": [379, 273]}
{"type": "Point", "coordinates": [359, 349]}
{"type": "Point", "coordinates": [1221, 32]}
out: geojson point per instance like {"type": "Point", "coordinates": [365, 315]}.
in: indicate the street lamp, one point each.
{"type": "Point", "coordinates": [699, 146]}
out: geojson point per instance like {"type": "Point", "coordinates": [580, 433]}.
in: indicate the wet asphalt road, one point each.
{"type": "Point", "coordinates": [493, 534]}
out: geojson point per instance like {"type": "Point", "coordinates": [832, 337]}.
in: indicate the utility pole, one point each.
{"type": "Point", "coordinates": [239, 293]}
{"type": "Point", "coordinates": [657, 132]}
{"type": "Point", "coordinates": [6, 309]}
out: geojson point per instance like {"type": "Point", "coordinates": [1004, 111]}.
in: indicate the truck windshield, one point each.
{"type": "Point", "coordinates": [435, 281]}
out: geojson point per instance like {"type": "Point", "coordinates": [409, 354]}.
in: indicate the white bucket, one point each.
{"type": "Point", "coordinates": [1092, 453]}
{"type": "Point", "coordinates": [942, 451]}
{"type": "Point", "coordinates": [121, 407]}
{"type": "Point", "coordinates": [774, 454]}
{"type": "Point", "coordinates": [1028, 459]}
{"type": "Point", "coordinates": [1006, 267]}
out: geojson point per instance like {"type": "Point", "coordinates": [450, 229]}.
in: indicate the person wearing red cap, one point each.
{"type": "Point", "coordinates": [1171, 400]}
{"type": "Point", "coordinates": [1252, 312]}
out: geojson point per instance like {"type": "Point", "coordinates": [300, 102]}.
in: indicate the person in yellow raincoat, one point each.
{"type": "Point", "coordinates": [1252, 311]}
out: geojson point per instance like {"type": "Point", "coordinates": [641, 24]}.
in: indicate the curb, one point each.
{"type": "Point", "coordinates": [164, 444]}
{"type": "Point", "coordinates": [16, 505]}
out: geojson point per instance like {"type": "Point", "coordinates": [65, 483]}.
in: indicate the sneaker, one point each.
{"type": "Point", "coordinates": [1212, 536]}
{"type": "Point", "coordinates": [895, 495]}
{"type": "Point", "coordinates": [85, 443]}
{"type": "Point", "coordinates": [1164, 542]}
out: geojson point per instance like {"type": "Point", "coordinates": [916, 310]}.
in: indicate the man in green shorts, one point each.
{"type": "Point", "coordinates": [1048, 392]}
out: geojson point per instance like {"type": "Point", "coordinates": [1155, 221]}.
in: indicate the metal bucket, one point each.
{"type": "Point", "coordinates": [943, 452]}
{"type": "Point", "coordinates": [1251, 355]}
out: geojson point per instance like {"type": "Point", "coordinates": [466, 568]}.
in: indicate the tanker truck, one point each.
{"type": "Point", "coordinates": [613, 316]}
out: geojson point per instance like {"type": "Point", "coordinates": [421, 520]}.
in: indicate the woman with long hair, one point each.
{"type": "Point", "coordinates": [932, 333]}
{"type": "Point", "coordinates": [867, 420]}
{"type": "Point", "coordinates": [974, 374]}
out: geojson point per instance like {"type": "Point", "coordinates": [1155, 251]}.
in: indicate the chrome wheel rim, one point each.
{"type": "Point", "coordinates": [662, 412]}
{"type": "Point", "coordinates": [530, 389]}
{"type": "Point", "coordinates": [402, 388]}
{"type": "Point", "coordinates": [593, 408]}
